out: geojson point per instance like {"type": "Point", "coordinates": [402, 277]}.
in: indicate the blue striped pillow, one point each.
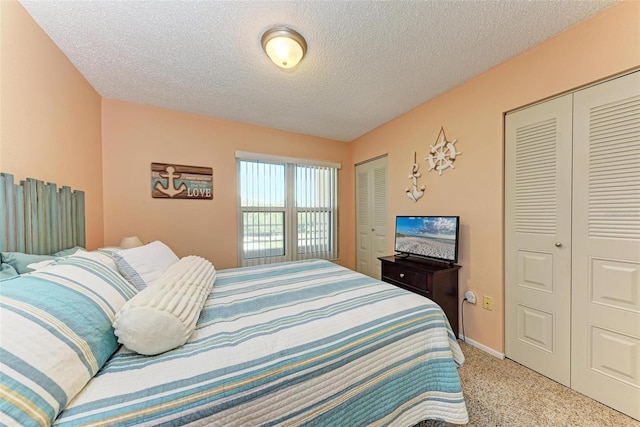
{"type": "Point", "coordinates": [56, 334]}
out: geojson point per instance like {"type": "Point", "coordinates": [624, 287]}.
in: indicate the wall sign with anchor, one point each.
{"type": "Point", "coordinates": [169, 181]}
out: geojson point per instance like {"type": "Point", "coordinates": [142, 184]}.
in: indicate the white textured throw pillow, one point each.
{"type": "Point", "coordinates": [144, 264]}
{"type": "Point", "coordinates": [163, 316]}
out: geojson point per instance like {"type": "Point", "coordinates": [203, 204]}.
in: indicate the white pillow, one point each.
{"type": "Point", "coordinates": [163, 316]}
{"type": "Point", "coordinates": [144, 264]}
{"type": "Point", "coordinates": [42, 264]}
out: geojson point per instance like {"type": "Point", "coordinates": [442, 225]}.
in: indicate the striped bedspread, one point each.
{"type": "Point", "coordinates": [301, 343]}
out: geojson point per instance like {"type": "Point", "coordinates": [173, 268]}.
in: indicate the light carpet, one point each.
{"type": "Point", "coordinates": [505, 393]}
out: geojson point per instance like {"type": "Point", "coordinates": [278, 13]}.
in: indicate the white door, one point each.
{"type": "Point", "coordinates": [538, 237]}
{"type": "Point", "coordinates": [371, 215]}
{"type": "Point", "coordinates": [605, 363]}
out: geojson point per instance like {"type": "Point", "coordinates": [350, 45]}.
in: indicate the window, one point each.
{"type": "Point", "coordinates": [287, 209]}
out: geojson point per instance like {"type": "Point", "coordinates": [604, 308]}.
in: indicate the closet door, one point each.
{"type": "Point", "coordinates": [605, 361]}
{"type": "Point", "coordinates": [538, 237]}
{"type": "Point", "coordinates": [371, 215]}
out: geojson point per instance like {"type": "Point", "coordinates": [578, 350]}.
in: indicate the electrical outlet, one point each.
{"type": "Point", "coordinates": [470, 296]}
{"type": "Point", "coordinates": [487, 303]}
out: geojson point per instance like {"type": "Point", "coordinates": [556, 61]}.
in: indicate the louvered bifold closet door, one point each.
{"type": "Point", "coordinates": [538, 237]}
{"type": "Point", "coordinates": [379, 215]}
{"type": "Point", "coordinates": [606, 244]}
{"type": "Point", "coordinates": [371, 215]}
{"type": "Point", "coordinates": [363, 221]}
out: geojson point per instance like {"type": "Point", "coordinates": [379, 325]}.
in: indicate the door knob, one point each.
{"type": "Point", "coordinates": [558, 244]}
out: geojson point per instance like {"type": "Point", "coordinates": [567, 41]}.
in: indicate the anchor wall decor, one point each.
{"type": "Point", "coordinates": [170, 181]}
{"type": "Point", "coordinates": [413, 193]}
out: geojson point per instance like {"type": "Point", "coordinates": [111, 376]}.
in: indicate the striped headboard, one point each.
{"type": "Point", "coordinates": [38, 218]}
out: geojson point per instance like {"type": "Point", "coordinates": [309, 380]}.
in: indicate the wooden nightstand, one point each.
{"type": "Point", "coordinates": [434, 280]}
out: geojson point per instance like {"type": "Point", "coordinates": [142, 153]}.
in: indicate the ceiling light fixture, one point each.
{"type": "Point", "coordinates": [284, 46]}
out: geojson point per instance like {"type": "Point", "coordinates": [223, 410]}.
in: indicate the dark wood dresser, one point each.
{"type": "Point", "coordinates": [434, 280]}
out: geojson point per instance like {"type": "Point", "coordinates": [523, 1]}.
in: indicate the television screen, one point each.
{"type": "Point", "coordinates": [429, 236]}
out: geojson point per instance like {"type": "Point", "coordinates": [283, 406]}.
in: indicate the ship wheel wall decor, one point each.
{"type": "Point", "coordinates": [443, 154]}
{"type": "Point", "coordinates": [413, 193]}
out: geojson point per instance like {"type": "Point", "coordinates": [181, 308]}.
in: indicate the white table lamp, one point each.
{"type": "Point", "coordinates": [130, 242]}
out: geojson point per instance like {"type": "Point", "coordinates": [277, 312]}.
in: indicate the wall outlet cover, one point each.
{"type": "Point", "coordinates": [470, 296]}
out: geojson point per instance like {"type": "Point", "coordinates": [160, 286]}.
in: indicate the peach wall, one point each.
{"type": "Point", "coordinates": [50, 129]}
{"type": "Point", "coordinates": [49, 115]}
{"type": "Point", "coordinates": [135, 135]}
{"type": "Point", "coordinates": [472, 113]}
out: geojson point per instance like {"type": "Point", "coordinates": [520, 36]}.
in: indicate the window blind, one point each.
{"type": "Point", "coordinates": [287, 211]}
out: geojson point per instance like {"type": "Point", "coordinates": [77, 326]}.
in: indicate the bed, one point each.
{"type": "Point", "coordinates": [298, 343]}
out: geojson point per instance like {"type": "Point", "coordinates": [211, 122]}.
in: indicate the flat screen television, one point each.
{"type": "Point", "coordinates": [434, 237]}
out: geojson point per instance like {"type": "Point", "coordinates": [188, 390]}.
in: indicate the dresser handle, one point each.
{"type": "Point", "coordinates": [401, 275]}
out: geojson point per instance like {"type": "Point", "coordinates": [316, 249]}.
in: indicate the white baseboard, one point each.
{"type": "Point", "coordinates": [482, 347]}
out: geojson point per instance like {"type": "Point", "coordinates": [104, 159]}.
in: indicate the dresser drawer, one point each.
{"type": "Point", "coordinates": [408, 277]}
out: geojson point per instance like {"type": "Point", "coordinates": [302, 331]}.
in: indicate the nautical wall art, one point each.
{"type": "Point", "coordinates": [414, 193]}
{"type": "Point", "coordinates": [169, 181]}
{"type": "Point", "coordinates": [443, 154]}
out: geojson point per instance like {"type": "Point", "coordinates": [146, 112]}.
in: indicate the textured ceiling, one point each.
{"type": "Point", "coordinates": [367, 62]}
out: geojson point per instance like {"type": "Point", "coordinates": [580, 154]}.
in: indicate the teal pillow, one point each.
{"type": "Point", "coordinates": [19, 261]}
{"type": "Point", "coordinates": [60, 334]}
{"type": "Point", "coordinates": [7, 271]}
